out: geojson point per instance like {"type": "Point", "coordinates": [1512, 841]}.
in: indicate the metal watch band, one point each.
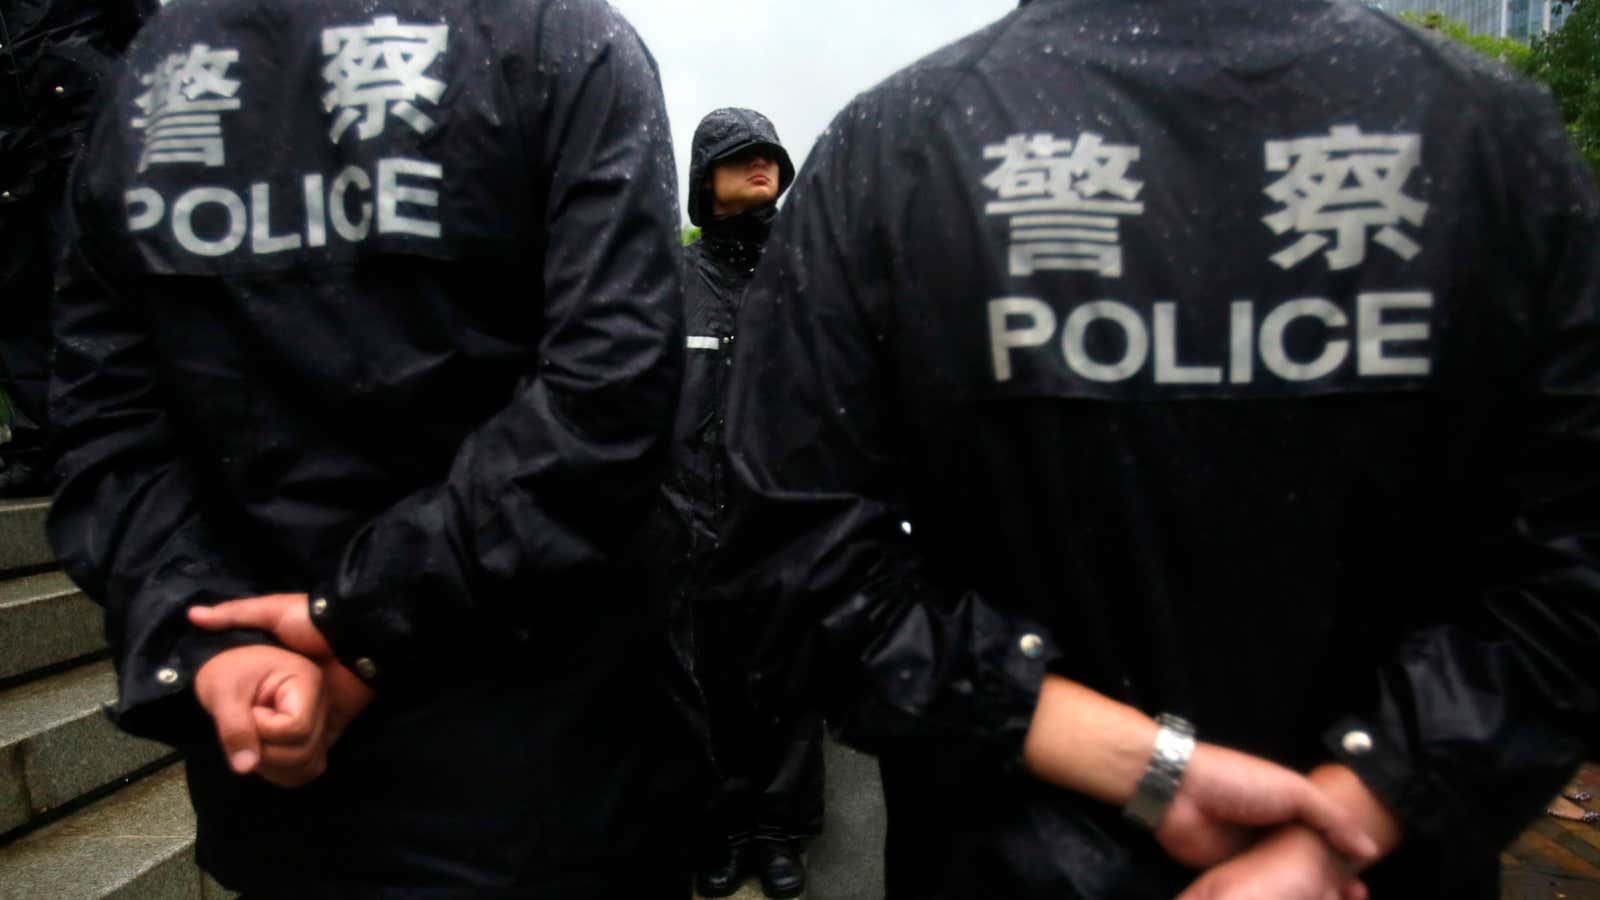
{"type": "Point", "coordinates": [1174, 746]}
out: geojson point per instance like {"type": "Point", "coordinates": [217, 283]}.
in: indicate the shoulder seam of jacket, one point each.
{"type": "Point", "coordinates": [978, 55]}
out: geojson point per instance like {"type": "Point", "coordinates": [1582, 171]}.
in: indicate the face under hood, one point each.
{"type": "Point", "coordinates": [722, 133]}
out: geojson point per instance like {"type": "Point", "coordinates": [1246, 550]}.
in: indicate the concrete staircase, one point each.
{"type": "Point", "coordinates": [85, 810]}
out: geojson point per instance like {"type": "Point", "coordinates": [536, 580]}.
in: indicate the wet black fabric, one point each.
{"type": "Point", "coordinates": [771, 766]}
{"type": "Point", "coordinates": [25, 341]}
{"type": "Point", "coordinates": [716, 270]}
{"type": "Point", "coordinates": [769, 758]}
{"type": "Point", "coordinates": [381, 304]}
{"type": "Point", "coordinates": [54, 56]}
{"type": "Point", "coordinates": [1239, 360]}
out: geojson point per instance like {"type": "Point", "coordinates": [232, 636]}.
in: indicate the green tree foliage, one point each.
{"type": "Point", "coordinates": [1568, 60]}
{"type": "Point", "coordinates": [691, 233]}
{"type": "Point", "coordinates": [1509, 51]}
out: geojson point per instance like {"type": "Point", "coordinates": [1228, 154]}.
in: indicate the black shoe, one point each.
{"type": "Point", "coordinates": [783, 875]}
{"type": "Point", "coordinates": [722, 873]}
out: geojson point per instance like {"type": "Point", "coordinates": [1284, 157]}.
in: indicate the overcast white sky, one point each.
{"type": "Point", "coordinates": [797, 61]}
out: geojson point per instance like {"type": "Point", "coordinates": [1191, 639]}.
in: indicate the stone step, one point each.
{"type": "Point", "coordinates": [136, 844]}
{"type": "Point", "coordinates": [45, 620]}
{"type": "Point", "coordinates": [56, 743]}
{"type": "Point", "coordinates": [22, 541]}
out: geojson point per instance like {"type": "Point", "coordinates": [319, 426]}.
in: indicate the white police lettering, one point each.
{"type": "Point", "coordinates": [145, 208]}
{"type": "Point", "coordinates": [262, 240]}
{"type": "Point", "coordinates": [1275, 354]}
{"type": "Point", "coordinates": [340, 209]}
{"type": "Point", "coordinates": [1375, 332]}
{"type": "Point", "coordinates": [183, 221]}
{"type": "Point", "coordinates": [1241, 360]}
{"type": "Point", "coordinates": [316, 211]}
{"type": "Point", "coordinates": [378, 69]}
{"type": "Point", "coordinates": [1168, 371]}
{"type": "Point", "coordinates": [1041, 323]}
{"type": "Point", "coordinates": [182, 110]}
{"type": "Point", "coordinates": [1063, 197]}
{"type": "Point", "coordinates": [1136, 341]}
{"type": "Point", "coordinates": [391, 193]}
{"type": "Point", "coordinates": [1020, 326]}
{"type": "Point", "coordinates": [346, 202]}
{"type": "Point", "coordinates": [1345, 183]}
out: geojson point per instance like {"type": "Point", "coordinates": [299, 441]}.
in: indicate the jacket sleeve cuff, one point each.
{"type": "Point", "coordinates": [357, 637]}
{"type": "Point", "coordinates": [1383, 763]}
{"type": "Point", "coordinates": [1032, 654]}
{"type": "Point", "coordinates": [980, 689]}
{"type": "Point", "coordinates": [1026, 654]}
{"type": "Point", "coordinates": [156, 694]}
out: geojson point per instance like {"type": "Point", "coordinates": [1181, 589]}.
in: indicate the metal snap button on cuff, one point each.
{"type": "Point", "coordinates": [1356, 743]}
{"type": "Point", "coordinates": [1032, 645]}
{"type": "Point", "coordinates": [366, 668]}
{"type": "Point", "coordinates": [319, 606]}
{"type": "Point", "coordinates": [167, 675]}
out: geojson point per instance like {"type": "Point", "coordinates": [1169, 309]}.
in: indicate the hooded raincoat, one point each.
{"type": "Point", "coordinates": [716, 270]}
{"type": "Point", "coordinates": [771, 771]}
{"type": "Point", "coordinates": [381, 304]}
{"type": "Point", "coordinates": [1240, 360]}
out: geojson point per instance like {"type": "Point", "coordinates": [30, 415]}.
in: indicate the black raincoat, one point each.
{"type": "Point", "coordinates": [716, 270]}
{"type": "Point", "coordinates": [771, 771]}
{"type": "Point", "coordinates": [54, 56]}
{"type": "Point", "coordinates": [381, 304]}
{"type": "Point", "coordinates": [1240, 360]}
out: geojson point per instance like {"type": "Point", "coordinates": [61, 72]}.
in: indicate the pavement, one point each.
{"type": "Point", "coordinates": [1556, 859]}
{"type": "Point", "coordinates": [846, 862]}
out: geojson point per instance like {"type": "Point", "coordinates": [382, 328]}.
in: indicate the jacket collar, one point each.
{"type": "Point", "coordinates": [738, 239]}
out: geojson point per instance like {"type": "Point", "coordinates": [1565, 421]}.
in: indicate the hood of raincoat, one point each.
{"type": "Point", "coordinates": [721, 134]}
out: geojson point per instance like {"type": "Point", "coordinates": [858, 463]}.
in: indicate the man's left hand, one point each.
{"type": "Point", "coordinates": [288, 618]}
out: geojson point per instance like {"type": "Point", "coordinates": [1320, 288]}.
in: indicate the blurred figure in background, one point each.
{"type": "Point", "coordinates": [54, 56]}
{"type": "Point", "coordinates": [770, 804]}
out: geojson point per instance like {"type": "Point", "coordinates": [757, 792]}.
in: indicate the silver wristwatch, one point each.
{"type": "Point", "coordinates": [1174, 746]}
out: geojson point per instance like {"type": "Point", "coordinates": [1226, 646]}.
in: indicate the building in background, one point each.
{"type": "Point", "coordinates": [1520, 19]}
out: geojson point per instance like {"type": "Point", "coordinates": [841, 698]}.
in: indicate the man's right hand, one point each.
{"type": "Point", "coordinates": [270, 710]}
{"type": "Point", "coordinates": [287, 616]}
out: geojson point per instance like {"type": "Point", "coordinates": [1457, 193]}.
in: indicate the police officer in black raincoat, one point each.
{"type": "Point", "coordinates": [770, 802]}
{"type": "Point", "coordinates": [54, 56]}
{"type": "Point", "coordinates": [1228, 359]}
{"type": "Point", "coordinates": [372, 328]}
